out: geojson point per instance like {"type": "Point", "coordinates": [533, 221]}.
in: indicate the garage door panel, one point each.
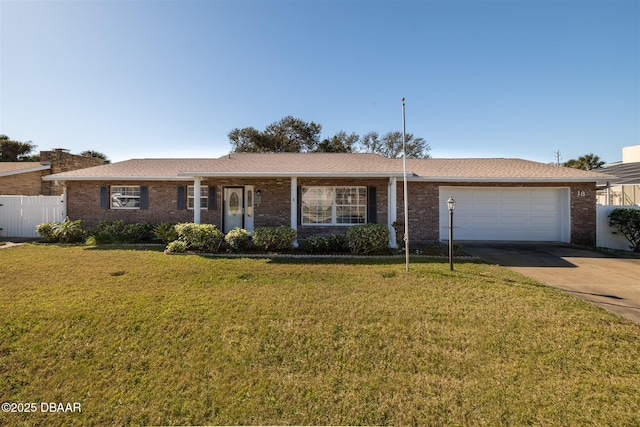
{"type": "Point", "coordinates": [483, 213]}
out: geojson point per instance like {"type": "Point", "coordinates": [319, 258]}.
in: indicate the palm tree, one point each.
{"type": "Point", "coordinates": [587, 162]}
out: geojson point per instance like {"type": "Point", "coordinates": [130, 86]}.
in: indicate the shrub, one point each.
{"type": "Point", "coordinates": [141, 232]}
{"type": "Point", "coordinates": [335, 242]}
{"type": "Point", "coordinates": [201, 236]}
{"type": "Point", "coordinates": [316, 244]}
{"type": "Point", "coordinates": [177, 247]}
{"type": "Point", "coordinates": [45, 230]}
{"type": "Point", "coordinates": [627, 222]}
{"type": "Point", "coordinates": [68, 231]}
{"type": "Point", "coordinates": [165, 232]}
{"type": "Point", "coordinates": [274, 238]}
{"type": "Point", "coordinates": [116, 231]}
{"type": "Point", "coordinates": [237, 239]}
{"type": "Point", "coordinates": [368, 238]}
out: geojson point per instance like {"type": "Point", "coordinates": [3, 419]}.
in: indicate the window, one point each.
{"type": "Point", "coordinates": [334, 205]}
{"type": "Point", "coordinates": [125, 197]}
{"type": "Point", "coordinates": [204, 197]}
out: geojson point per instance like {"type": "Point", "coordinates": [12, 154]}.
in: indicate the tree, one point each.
{"type": "Point", "coordinates": [339, 143]}
{"type": "Point", "coordinates": [289, 135]}
{"type": "Point", "coordinates": [92, 153]}
{"type": "Point", "coordinates": [390, 145]}
{"type": "Point", "coordinates": [16, 151]}
{"type": "Point", "coordinates": [627, 222]}
{"type": "Point", "coordinates": [586, 162]}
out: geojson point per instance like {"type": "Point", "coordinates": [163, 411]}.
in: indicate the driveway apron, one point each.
{"type": "Point", "coordinates": [603, 279]}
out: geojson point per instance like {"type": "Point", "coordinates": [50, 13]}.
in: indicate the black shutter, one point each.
{"type": "Point", "coordinates": [371, 205]}
{"type": "Point", "coordinates": [104, 197]}
{"type": "Point", "coordinates": [144, 197]}
{"type": "Point", "coordinates": [182, 197]}
{"type": "Point", "coordinates": [211, 205]}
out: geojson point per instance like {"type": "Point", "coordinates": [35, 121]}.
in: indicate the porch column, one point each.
{"type": "Point", "coordinates": [196, 200]}
{"type": "Point", "coordinates": [294, 206]}
{"type": "Point", "coordinates": [392, 200]}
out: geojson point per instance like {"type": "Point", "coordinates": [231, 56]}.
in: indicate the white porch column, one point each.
{"type": "Point", "coordinates": [294, 206]}
{"type": "Point", "coordinates": [392, 201]}
{"type": "Point", "coordinates": [196, 200]}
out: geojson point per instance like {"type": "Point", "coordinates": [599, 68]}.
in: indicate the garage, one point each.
{"type": "Point", "coordinates": [503, 213]}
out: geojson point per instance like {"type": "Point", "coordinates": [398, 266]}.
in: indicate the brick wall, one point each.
{"type": "Point", "coordinates": [63, 161]}
{"type": "Point", "coordinates": [275, 208]}
{"type": "Point", "coordinates": [22, 184]}
{"type": "Point", "coordinates": [424, 211]}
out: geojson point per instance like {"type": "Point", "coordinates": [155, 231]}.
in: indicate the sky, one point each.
{"type": "Point", "coordinates": [482, 78]}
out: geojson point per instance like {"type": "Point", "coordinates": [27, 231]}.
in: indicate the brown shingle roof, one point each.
{"type": "Point", "coordinates": [330, 164]}
{"type": "Point", "coordinates": [12, 168]}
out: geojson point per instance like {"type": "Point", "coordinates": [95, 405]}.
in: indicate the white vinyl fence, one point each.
{"type": "Point", "coordinates": [605, 237]}
{"type": "Point", "coordinates": [19, 215]}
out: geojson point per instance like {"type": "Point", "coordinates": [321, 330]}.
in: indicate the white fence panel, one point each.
{"type": "Point", "coordinates": [19, 215]}
{"type": "Point", "coordinates": [605, 237]}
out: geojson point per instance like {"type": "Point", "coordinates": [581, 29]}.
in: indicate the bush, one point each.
{"type": "Point", "coordinates": [274, 238]}
{"type": "Point", "coordinates": [177, 247]}
{"type": "Point", "coordinates": [45, 230]}
{"type": "Point", "coordinates": [117, 231]}
{"type": "Point", "coordinates": [627, 222]}
{"type": "Point", "coordinates": [237, 239]}
{"type": "Point", "coordinates": [141, 232]}
{"type": "Point", "coordinates": [316, 244]}
{"type": "Point", "coordinates": [335, 242]}
{"type": "Point", "coordinates": [200, 236]}
{"type": "Point", "coordinates": [368, 238]}
{"type": "Point", "coordinates": [165, 232]}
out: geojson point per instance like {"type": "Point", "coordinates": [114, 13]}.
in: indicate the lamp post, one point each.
{"type": "Point", "coordinates": [451, 204]}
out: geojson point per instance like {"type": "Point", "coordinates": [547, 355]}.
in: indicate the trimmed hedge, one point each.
{"type": "Point", "coordinates": [368, 238]}
{"type": "Point", "coordinates": [274, 238]}
{"type": "Point", "coordinates": [237, 239]}
{"type": "Point", "coordinates": [200, 236]}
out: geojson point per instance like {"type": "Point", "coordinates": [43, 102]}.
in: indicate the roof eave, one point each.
{"type": "Point", "coordinates": [19, 171]}
{"type": "Point", "coordinates": [291, 174]}
{"type": "Point", "coordinates": [114, 178]}
{"type": "Point", "coordinates": [598, 181]}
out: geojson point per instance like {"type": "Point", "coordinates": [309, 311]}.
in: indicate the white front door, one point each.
{"type": "Point", "coordinates": [233, 208]}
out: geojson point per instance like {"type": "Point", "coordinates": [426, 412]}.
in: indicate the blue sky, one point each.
{"type": "Point", "coordinates": [484, 78]}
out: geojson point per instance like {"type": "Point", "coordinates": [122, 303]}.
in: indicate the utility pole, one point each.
{"type": "Point", "coordinates": [558, 157]}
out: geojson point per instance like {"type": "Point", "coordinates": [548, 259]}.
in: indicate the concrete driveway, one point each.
{"type": "Point", "coordinates": [606, 280]}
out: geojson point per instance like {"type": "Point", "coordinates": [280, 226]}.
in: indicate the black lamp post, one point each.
{"type": "Point", "coordinates": [451, 204]}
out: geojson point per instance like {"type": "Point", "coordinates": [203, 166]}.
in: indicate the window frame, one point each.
{"type": "Point", "coordinates": [335, 209]}
{"type": "Point", "coordinates": [113, 192]}
{"type": "Point", "coordinates": [204, 195]}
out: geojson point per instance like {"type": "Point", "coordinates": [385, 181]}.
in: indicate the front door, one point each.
{"type": "Point", "coordinates": [233, 208]}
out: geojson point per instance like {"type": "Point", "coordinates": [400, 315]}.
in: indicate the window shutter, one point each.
{"type": "Point", "coordinates": [371, 205]}
{"type": "Point", "coordinates": [144, 197]}
{"type": "Point", "coordinates": [104, 197]}
{"type": "Point", "coordinates": [182, 197]}
{"type": "Point", "coordinates": [211, 205]}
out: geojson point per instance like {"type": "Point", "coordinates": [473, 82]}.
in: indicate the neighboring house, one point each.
{"type": "Point", "coordinates": [324, 193]}
{"type": "Point", "coordinates": [624, 189]}
{"type": "Point", "coordinates": [25, 178]}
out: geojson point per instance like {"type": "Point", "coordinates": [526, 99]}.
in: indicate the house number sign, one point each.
{"type": "Point", "coordinates": [581, 193]}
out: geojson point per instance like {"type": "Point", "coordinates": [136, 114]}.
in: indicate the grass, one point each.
{"type": "Point", "coordinates": [138, 338]}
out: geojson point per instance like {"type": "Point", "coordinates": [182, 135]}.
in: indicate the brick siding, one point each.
{"type": "Point", "coordinates": [275, 208]}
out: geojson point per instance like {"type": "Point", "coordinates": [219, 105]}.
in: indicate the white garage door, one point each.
{"type": "Point", "coordinates": [488, 213]}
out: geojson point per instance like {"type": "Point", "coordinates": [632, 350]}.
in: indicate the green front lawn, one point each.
{"type": "Point", "coordinates": [138, 338]}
